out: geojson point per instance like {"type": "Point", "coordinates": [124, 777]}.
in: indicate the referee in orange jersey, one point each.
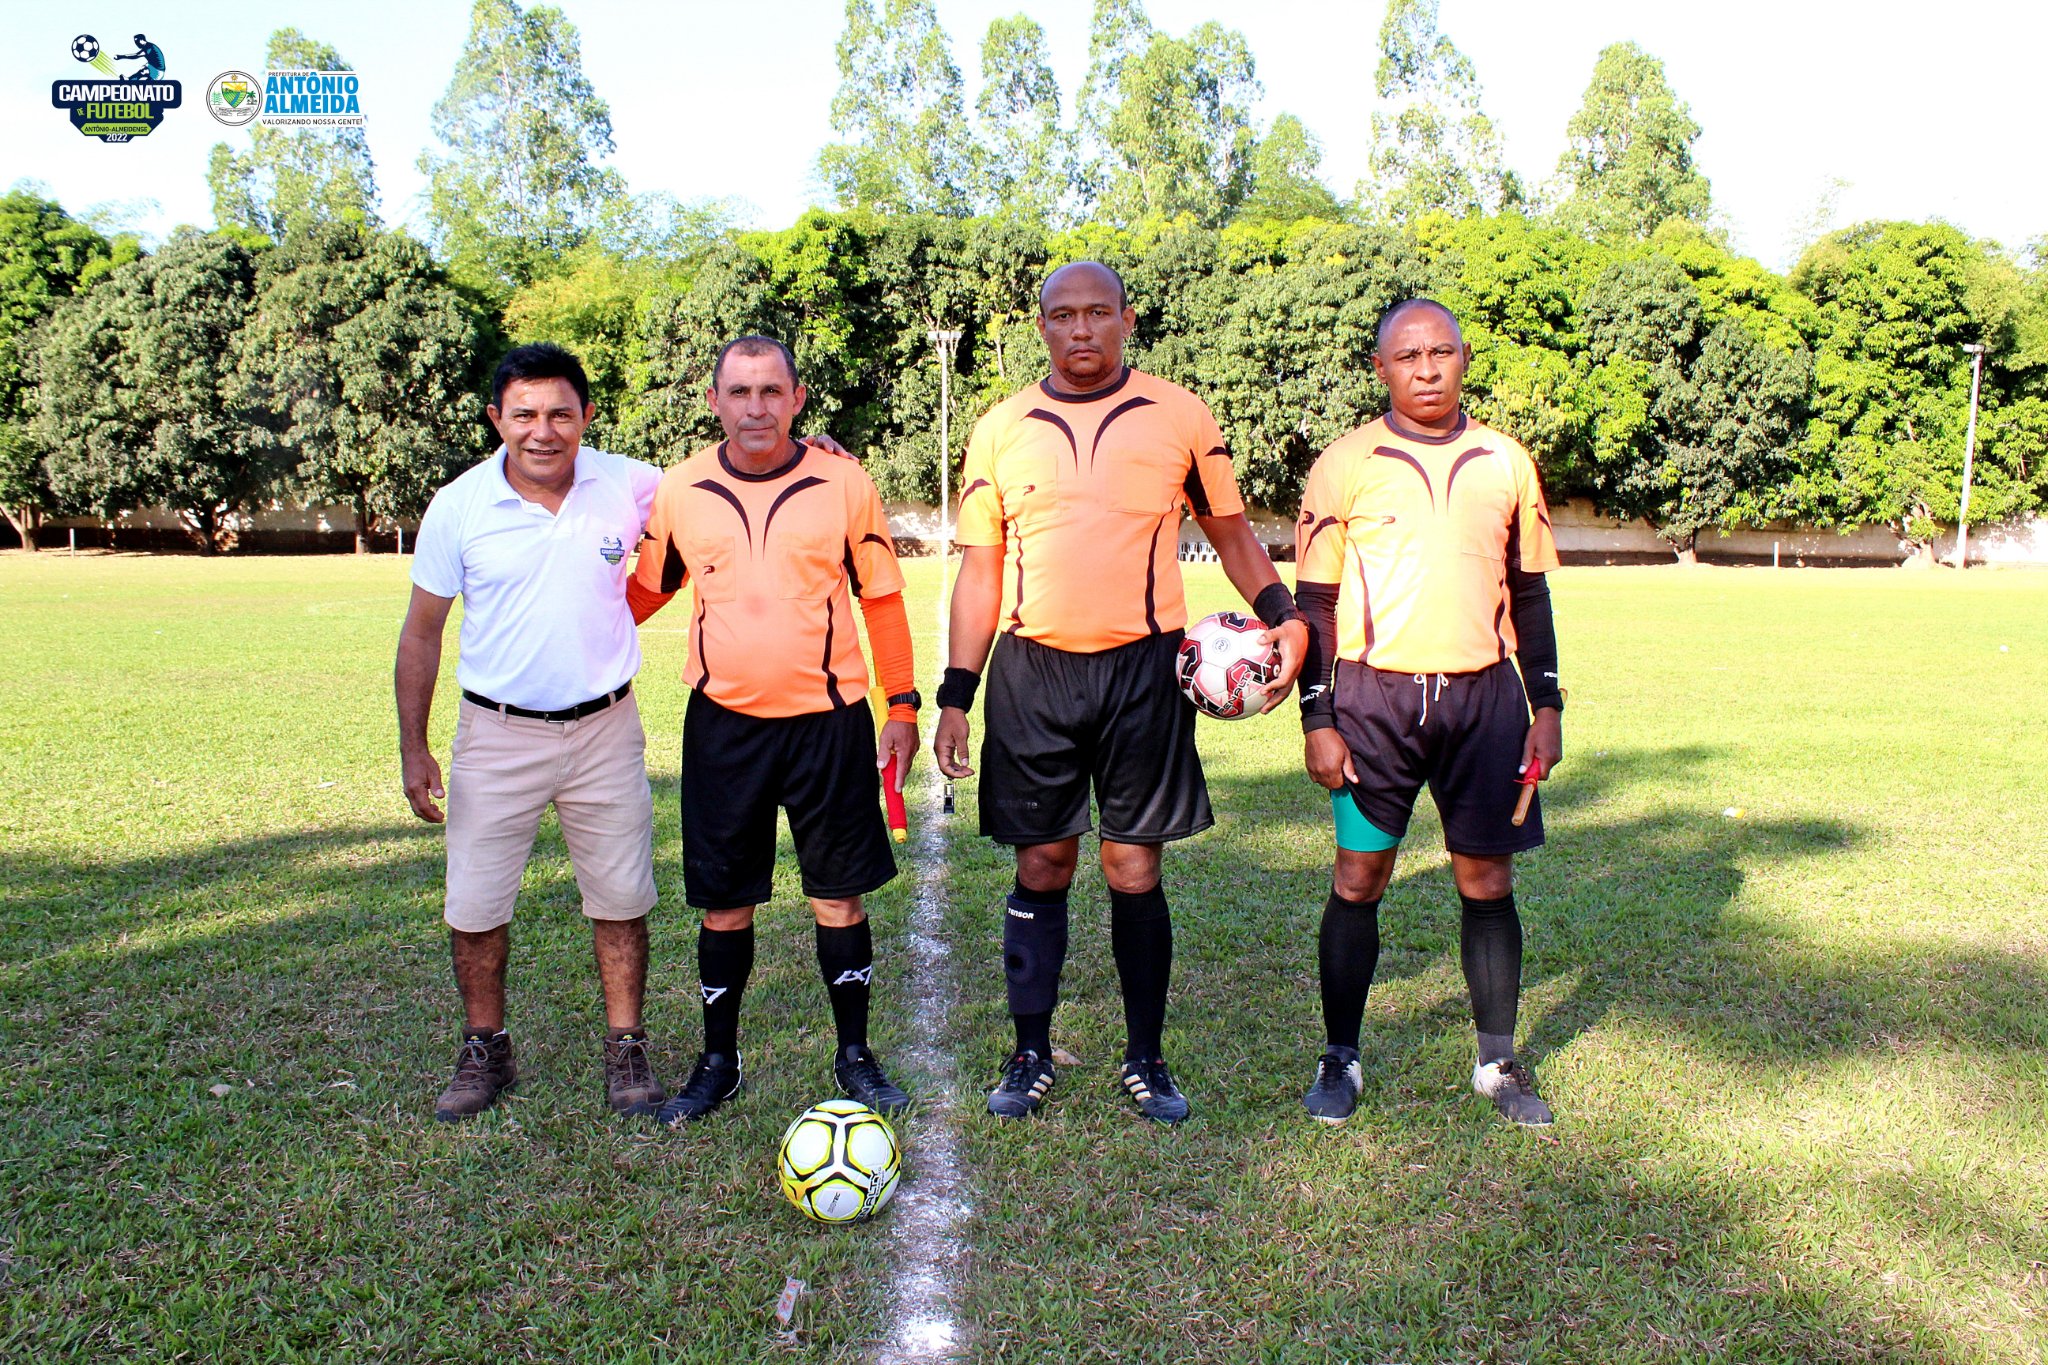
{"type": "Point", "coordinates": [1070, 513]}
{"type": "Point", "coordinates": [1422, 546]}
{"type": "Point", "coordinates": [776, 540]}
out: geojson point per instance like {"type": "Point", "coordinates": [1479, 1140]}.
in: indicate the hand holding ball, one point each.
{"type": "Point", "coordinates": [1222, 660]}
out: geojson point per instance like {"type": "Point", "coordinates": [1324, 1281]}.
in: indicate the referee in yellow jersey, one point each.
{"type": "Point", "coordinates": [1422, 545]}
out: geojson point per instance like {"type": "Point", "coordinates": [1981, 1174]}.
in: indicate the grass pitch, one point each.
{"type": "Point", "coordinates": [1787, 952]}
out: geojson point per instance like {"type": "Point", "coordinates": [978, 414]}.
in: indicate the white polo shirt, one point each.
{"type": "Point", "coordinates": [544, 617]}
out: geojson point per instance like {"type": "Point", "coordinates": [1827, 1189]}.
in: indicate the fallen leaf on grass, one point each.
{"type": "Point", "coordinates": [1062, 1057]}
{"type": "Point", "coordinates": [220, 1091]}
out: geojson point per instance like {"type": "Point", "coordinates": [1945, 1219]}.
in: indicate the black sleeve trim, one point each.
{"type": "Point", "coordinates": [671, 567]}
{"type": "Point", "coordinates": [1535, 637]}
{"type": "Point", "coordinates": [1318, 604]}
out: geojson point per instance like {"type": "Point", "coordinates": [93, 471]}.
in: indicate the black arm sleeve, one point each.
{"type": "Point", "coordinates": [1318, 603]}
{"type": "Point", "coordinates": [1535, 638]}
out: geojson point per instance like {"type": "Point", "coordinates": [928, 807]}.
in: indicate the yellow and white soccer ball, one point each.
{"type": "Point", "coordinates": [839, 1162]}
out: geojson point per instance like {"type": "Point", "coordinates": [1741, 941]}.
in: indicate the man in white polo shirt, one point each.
{"type": "Point", "coordinates": [534, 541]}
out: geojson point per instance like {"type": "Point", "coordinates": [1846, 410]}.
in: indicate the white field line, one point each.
{"type": "Point", "coordinates": [927, 1213]}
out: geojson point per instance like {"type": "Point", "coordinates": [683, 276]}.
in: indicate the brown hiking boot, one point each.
{"type": "Point", "coordinates": [629, 1077]}
{"type": "Point", "coordinates": [482, 1069]}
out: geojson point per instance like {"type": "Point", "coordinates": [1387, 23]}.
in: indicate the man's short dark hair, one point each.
{"type": "Point", "coordinates": [754, 345]}
{"type": "Point", "coordinates": [1123, 297]}
{"type": "Point", "coordinates": [1399, 310]}
{"type": "Point", "coordinates": [540, 360]}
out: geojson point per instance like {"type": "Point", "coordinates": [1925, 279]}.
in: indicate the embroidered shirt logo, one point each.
{"type": "Point", "coordinates": [612, 549]}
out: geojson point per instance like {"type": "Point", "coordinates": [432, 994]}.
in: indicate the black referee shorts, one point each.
{"type": "Point", "coordinates": [819, 767]}
{"type": "Point", "coordinates": [1462, 733]}
{"type": "Point", "coordinates": [1055, 722]}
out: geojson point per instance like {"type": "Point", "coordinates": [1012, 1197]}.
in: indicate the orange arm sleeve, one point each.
{"type": "Point", "coordinates": [889, 639]}
{"type": "Point", "coordinates": [643, 602]}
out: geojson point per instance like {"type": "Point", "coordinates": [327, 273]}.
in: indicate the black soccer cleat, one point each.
{"type": "Point", "coordinates": [715, 1079]}
{"type": "Point", "coordinates": [1026, 1078]}
{"type": "Point", "coordinates": [1511, 1085]}
{"type": "Point", "coordinates": [1150, 1086]}
{"type": "Point", "coordinates": [860, 1077]}
{"type": "Point", "coordinates": [1334, 1096]}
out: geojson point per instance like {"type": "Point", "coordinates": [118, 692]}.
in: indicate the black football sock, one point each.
{"type": "Point", "coordinates": [725, 958]}
{"type": "Point", "coordinates": [846, 959]}
{"type": "Point", "coordinates": [1034, 951]}
{"type": "Point", "coordinates": [1347, 954]}
{"type": "Point", "coordinates": [1141, 939]}
{"type": "Point", "coordinates": [1490, 949]}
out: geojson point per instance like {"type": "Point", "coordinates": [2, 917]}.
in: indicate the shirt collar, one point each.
{"type": "Point", "coordinates": [503, 491]}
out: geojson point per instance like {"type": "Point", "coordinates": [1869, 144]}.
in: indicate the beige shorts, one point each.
{"type": "Point", "coordinates": [508, 769]}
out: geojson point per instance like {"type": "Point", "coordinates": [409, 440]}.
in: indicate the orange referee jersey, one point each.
{"type": "Point", "coordinates": [1417, 532]}
{"type": "Point", "coordinates": [771, 558]}
{"type": "Point", "coordinates": [1084, 493]}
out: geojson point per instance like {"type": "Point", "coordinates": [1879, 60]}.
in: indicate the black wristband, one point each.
{"type": "Point", "coordinates": [1275, 606]}
{"type": "Point", "coordinates": [957, 688]}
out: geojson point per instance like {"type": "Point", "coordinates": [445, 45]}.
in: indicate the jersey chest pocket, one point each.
{"type": "Point", "coordinates": [1143, 483]}
{"type": "Point", "coordinates": [1482, 516]}
{"type": "Point", "coordinates": [808, 567]}
{"type": "Point", "coordinates": [714, 567]}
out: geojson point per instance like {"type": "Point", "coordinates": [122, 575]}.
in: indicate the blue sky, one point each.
{"type": "Point", "coordinates": [1922, 111]}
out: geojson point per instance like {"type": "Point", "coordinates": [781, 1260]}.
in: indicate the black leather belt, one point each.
{"type": "Point", "coordinates": [576, 712]}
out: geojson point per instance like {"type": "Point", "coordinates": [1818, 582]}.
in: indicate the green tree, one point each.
{"type": "Point", "coordinates": [1895, 303]}
{"type": "Point", "coordinates": [523, 131]}
{"type": "Point", "coordinates": [1700, 419]}
{"type": "Point", "coordinates": [1118, 31]}
{"type": "Point", "coordinates": [1628, 163]}
{"type": "Point", "coordinates": [364, 369]}
{"type": "Point", "coordinates": [1026, 165]}
{"type": "Point", "coordinates": [1284, 180]}
{"type": "Point", "coordinates": [294, 177]}
{"type": "Point", "coordinates": [1516, 286]}
{"type": "Point", "coordinates": [46, 256]}
{"type": "Point", "coordinates": [1279, 342]}
{"type": "Point", "coordinates": [136, 380]}
{"type": "Point", "coordinates": [900, 107]}
{"type": "Point", "coordinates": [1433, 148]}
{"type": "Point", "coordinates": [1180, 138]}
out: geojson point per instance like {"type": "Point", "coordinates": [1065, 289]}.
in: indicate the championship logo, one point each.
{"type": "Point", "coordinates": [125, 104]}
{"type": "Point", "coordinates": [611, 549]}
{"type": "Point", "coordinates": [234, 98]}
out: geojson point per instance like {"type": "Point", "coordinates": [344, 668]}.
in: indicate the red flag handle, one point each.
{"type": "Point", "coordinates": [899, 822]}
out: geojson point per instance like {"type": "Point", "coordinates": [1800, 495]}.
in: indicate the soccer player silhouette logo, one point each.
{"type": "Point", "coordinates": [149, 54]}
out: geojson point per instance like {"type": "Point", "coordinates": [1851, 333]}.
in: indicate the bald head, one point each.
{"type": "Point", "coordinates": [1085, 318]}
{"type": "Point", "coordinates": [1407, 308]}
{"type": "Point", "coordinates": [1083, 273]}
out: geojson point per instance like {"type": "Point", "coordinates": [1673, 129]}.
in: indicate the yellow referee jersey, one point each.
{"type": "Point", "coordinates": [1084, 493]}
{"type": "Point", "coordinates": [1417, 534]}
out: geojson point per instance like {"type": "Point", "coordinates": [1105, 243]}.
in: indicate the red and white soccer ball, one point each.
{"type": "Point", "coordinates": [1221, 659]}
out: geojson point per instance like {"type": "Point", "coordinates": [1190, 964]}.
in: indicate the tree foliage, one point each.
{"type": "Point", "coordinates": [1433, 149]}
{"type": "Point", "coordinates": [46, 256]}
{"type": "Point", "coordinates": [1180, 139]}
{"type": "Point", "coordinates": [1025, 165]}
{"type": "Point", "coordinates": [1285, 179]}
{"type": "Point", "coordinates": [1628, 164]}
{"type": "Point", "coordinates": [524, 132]}
{"type": "Point", "coordinates": [900, 107]}
{"type": "Point", "coordinates": [294, 177]}
{"type": "Point", "coordinates": [364, 369]}
{"type": "Point", "coordinates": [136, 387]}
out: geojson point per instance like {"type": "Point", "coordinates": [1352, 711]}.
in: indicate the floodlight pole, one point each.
{"type": "Point", "coordinates": [947, 342]}
{"type": "Point", "coordinates": [1976, 354]}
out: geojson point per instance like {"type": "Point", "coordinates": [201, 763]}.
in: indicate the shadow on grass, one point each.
{"type": "Point", "coordinates": [1424, 1229]}
{"type": "Point", "coordinates": [217, 1064]}
{"type": "Point", "coordinates": [1641, 912]}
